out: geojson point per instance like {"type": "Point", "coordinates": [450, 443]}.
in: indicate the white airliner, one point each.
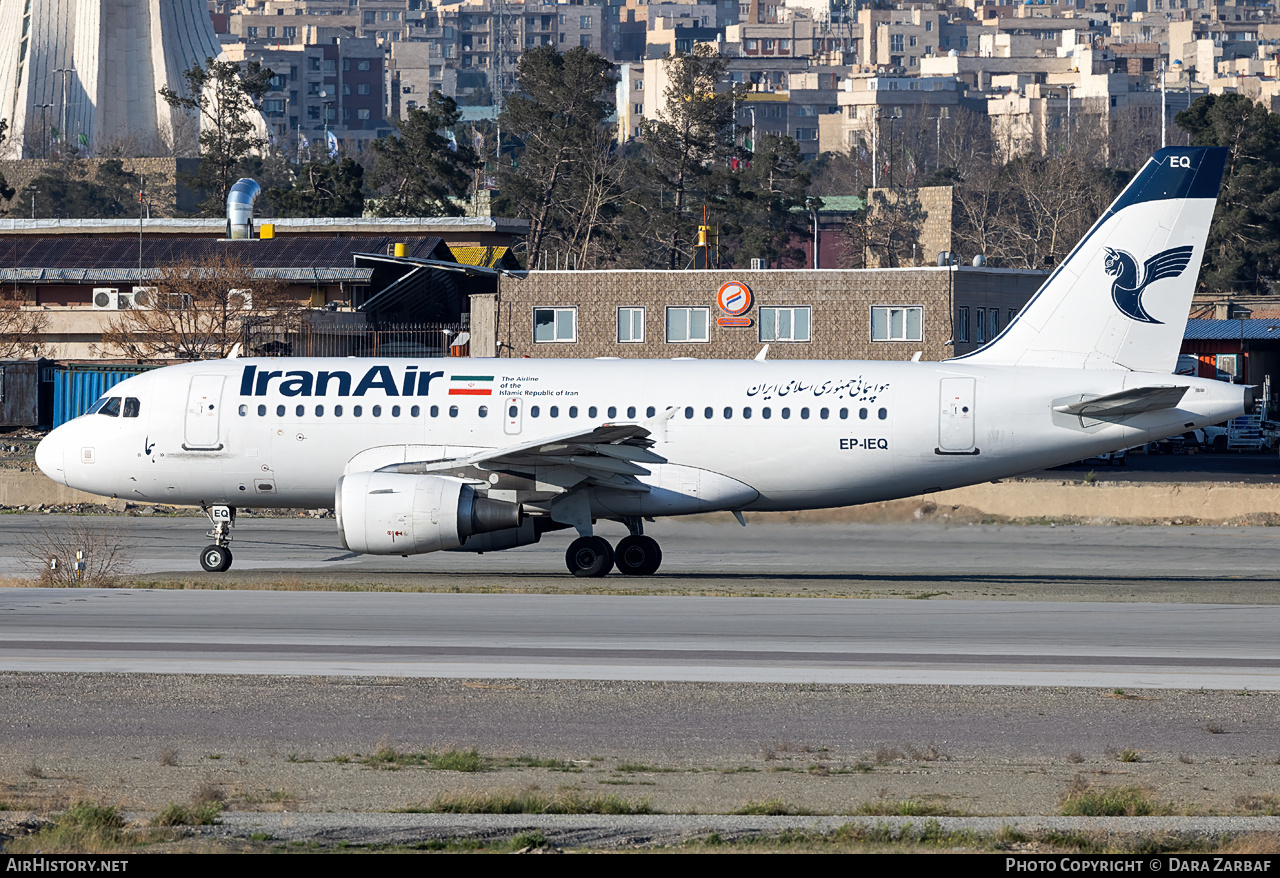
{"type": "Point", "coordinates": [486, 454]}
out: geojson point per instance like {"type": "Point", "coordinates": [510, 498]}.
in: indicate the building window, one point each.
{"type": "Point", "coordinates": [981, 326]}
{"type": "Point", "coordinates": [993, 326]}
{"type": "Point", "coordinates": [290, 33]}
{"type": "Point", "coordinates": [891, 323]}
{"type": "Point", "coordinates": [584, 21]}
{"type": "Point", "coordinates": [784, 324]}
{"type": "Point", "coordinates": [364, 88]}
{"type": "Point", "coordinates": [362, 65]}
{"type": "Point", "coordinates": [688, 324]}
{"type": "Point", "coordinates": [555, 324]}
{"type": "Point", "coordinates": [362, 114]}
{"type": "Point", "coordinates": [962, 324]}
{"type": "Point", "coordinates": [630, 325]}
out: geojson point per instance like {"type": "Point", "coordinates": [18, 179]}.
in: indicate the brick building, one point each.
{"type": "Point", "coordinates": [884, 314]}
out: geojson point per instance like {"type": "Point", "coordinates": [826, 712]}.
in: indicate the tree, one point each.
{"type": "Point", "coordinates": [768, 208]}
{"type": "Point", "coordinates": [1243, 250]}
{"type": "Point", "coordinates": [21, 330]}
{"type": "Point", "coordinates": [66, 192]}
{"type": "Point", "coordinates": [225, 96]}
{"type": "Point", "coordinates": [557, 117]}
{"type": "Point", "coordinates": [325, 187]}
{"type": "Point", "coordinates": [200, 309]}
{"type": "Point", "coordinates": [418, 170]}
{"type": "Point", "coordinates": [688, 147]}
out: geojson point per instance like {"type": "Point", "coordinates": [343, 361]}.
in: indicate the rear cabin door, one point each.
{"type": "Point", "coordinates": [956, 416]}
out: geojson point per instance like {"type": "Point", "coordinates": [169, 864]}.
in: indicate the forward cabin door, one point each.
{"type": "Point", "coordinates": [204, 412]}
{"type": "Point", "coordinates": [956, 416]}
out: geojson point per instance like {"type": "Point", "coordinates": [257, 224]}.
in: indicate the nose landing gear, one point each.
{"type": "Point", "coordinates": [217, 557]}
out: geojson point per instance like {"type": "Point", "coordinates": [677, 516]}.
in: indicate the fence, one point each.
{"type": "Point", "coordinates": [373, 340]}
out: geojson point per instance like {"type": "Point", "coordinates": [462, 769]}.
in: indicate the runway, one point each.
{"type": "Point", "coordinates": [591, 637]}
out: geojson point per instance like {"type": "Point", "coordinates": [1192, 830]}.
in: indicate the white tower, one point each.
{"type": "Point", "coordinates": [92, 69]}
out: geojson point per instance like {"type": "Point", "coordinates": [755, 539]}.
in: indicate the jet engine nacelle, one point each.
{"type": "Point", "coordinates": [395, 514]}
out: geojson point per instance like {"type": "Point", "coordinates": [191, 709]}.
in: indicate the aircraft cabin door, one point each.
{"type": "Point", "coordinates": [956, 416]}
{"type": "Point", "coordinates": [513, 413]}
{"type": "Point", "coordinates": [204, 410]}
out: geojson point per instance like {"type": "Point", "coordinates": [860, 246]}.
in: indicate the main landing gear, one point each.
{"type": "Point", "coordinates": [217, 557]}
{"type": "Point", "coordinates": [636, 555]}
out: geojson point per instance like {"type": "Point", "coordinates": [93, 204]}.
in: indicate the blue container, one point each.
{"type": "Point", "coordinates": [75, 388]}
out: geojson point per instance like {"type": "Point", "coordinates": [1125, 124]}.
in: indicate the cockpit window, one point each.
{"type": "Point", "coordinates": [112, 408]}
{"type": "Point", "coordinates": [131, 407]}
{"type": "Point", "coordinates": [93, 409]}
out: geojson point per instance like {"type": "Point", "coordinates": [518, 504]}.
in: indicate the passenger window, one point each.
{"type": "Point", "coordinates": [300, 411]}
{"type": "Point", "coordinates": [337, 411]}
{"type": "Point", "coordinates": [786, 413]}
{"type": "Point", "coordinates": [708, 412]}
{"type": "Point", "coordinates": [555, 411]}
{"type": "Point", "coordinates": [862, 413]}
{"type": "Point", "coordinates": [512, 411]}
{"type": "Point", "coordinates": [415, 411]}
{"type": "Point", "coordinates": [650, 412]}
{"type": "Point", "coordinates": [804, 414]}
{"type": "Point", "coordinates": [767, 413]}
{"type": "Point", "coordinates": [435, 411]}
{"type": "Point", "coordinates": [613, 411]}
{"type": "Point", "coordinates": [746, 411]}
{"type": "Point", "coordinates": [279, 411]}
{"type": "Point", "coordinates": [534, 411]}
{"type": "Point", "coordinates": [319, 411]}
{"type": "Point", "coordinates": [244, 410]}
{"type": "Point", "coordinates": [357, 411]}
{"type": "Point", "coordinates": [262, 411]}
{"type": "Point", "coordinates": [132, 406]}
{"type": "Point", "coordinates": [484, 411]}
{"type": "Point", "coordinates": [453, 411]}
{"type": "Point", "coordinates": [844, 414]}
{"type": "Point", "coordinates": [376, 411]}
{"type": "Point", "coordinates": [631, 411]}
{"type": "Point", "coordinates": [395, 411]}
{"type": "Point", "coordinates": [728, 412]}
{"type": "Point", "coordinates": [824, 413]}
{"type": "Point", "coordinates": [882, 414]}
{"type": "Point", "coordinates": [573, 411]}
{"type": "Point", "coordinates": [591, 412]}
{"type": "Point", "coordinates": [688, 413]}
{"type": "Point", "coordinates": [112, 408]}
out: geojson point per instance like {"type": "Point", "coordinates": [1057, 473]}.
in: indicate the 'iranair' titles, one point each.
{"type": "Point", "coordinates": [337, 382]}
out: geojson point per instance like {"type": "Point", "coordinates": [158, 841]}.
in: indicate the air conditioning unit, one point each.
{"type": "Point", "coordinates": [244, 296]}
{"type": "Point", "coordinates": [106, 299]}
{"type": "Point", "coordinates": [145, 298]}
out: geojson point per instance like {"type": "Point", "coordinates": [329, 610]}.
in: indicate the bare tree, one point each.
{"type": "Point", "coordinates": [199, 309]}
{"type": "Point", "coordinates": [21, 329]}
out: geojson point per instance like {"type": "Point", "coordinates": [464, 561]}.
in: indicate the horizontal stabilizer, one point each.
{"type": "Point", "coordinates": [1125, 403]}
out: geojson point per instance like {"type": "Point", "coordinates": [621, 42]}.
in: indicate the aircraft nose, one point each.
{"type": "Point", "coordinates": [49, 457]}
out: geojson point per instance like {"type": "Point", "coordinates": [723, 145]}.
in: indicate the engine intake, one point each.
{"type": "Point", "coordinates": [396, 514]}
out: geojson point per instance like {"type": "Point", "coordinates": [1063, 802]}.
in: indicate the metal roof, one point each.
{"type": "Point", "coordinates": [1205, 329]}
{"type": "Point", "coordinates": [127, 275]}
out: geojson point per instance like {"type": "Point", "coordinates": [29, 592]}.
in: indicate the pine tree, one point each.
{"type": "Point", "coordinates": [325, 187]}
{"type": "Point", "coordinates": [556, 118]}
{"type": "Point", "coordinates": [419, 169]}
{"type": "Point", "coordinates": [225, 96]}
{"type": "Point", "coordinates": [1243, 251]}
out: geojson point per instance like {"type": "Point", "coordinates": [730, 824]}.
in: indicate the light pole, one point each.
{"type": "Point", "coordinates": [325, 101]}
{"type": "Point", "coordinates": [44, 122]}
{"type": "Point", "coordinates": [64, 72]}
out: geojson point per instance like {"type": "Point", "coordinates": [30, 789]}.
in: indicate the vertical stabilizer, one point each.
{"type": "Point", "coordinates": [1120, 299]}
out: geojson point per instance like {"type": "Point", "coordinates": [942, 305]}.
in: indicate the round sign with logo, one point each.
{"type": "Point", "coordinates": [734, 298]}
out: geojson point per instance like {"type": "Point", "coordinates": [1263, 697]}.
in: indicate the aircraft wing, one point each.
{"type": "Point", "coordinates": [1126, 402]}
{"type": "Point", "coordinates": [609, 454]}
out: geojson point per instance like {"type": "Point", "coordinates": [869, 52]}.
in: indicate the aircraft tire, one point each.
{"type": "Point", "coordinates": [215, 559]}
{"type": "Point", "coordinates": [589, 557]}
{"type": "Point", "coordinates": [637, 556]}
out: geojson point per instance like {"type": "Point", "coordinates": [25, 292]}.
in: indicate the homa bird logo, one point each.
{"type": "Point", "coordinates": [1127, 292]}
